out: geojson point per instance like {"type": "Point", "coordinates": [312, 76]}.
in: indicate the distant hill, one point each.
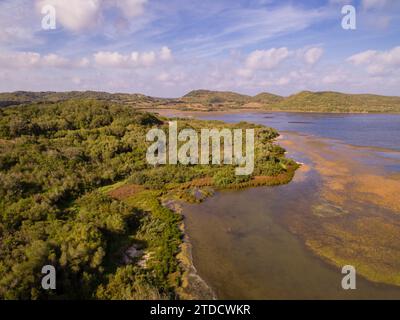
{"type": "Point", "coordinates": [217, 100]}
{"type": "Point", "coordinates": [25, 97]}
{"type": "Point", "coordinates": [207, 100]}
{"type": "Point", "coordinates": [267, 98]}
{"type": "Point", "coordinates": [213, 97]}
{"type": "Point", "coordinates": [307, 101]}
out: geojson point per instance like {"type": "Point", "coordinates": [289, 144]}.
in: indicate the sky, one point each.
{"type": "Point", "coordinates": [166, 48]}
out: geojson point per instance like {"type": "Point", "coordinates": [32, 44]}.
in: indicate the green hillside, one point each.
{"type": "Point", "coordinates": [206, 96]}
{"type": "Point", "coordinates": [26, 97]}
{"type": "Point", "coordinates": [267, 98]}
{"type": "Point", "coordinates": [307, 101]}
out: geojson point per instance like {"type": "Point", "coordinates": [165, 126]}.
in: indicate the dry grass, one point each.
{"type": "Point", "coordinates": [125, 191]}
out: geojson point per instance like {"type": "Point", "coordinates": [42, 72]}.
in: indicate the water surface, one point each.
{"type": "Point", "coordinates": [242, 244]}
{"type": "Point", "coordinates": [372, 130]}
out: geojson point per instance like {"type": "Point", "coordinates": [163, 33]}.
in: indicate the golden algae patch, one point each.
{"type": "Point", "coordinates": [357, 220]}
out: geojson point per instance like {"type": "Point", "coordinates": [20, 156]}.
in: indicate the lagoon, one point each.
{"type": "Point", "coordinates": [288, 241]}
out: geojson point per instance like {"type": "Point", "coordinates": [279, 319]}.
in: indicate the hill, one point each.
{"type": "Point", "coordinates": [207, 96]}
{"type": "Point", "coordinates": [27, 97]}
{"type": "Point", "coordinates": [267, 98]}
{"type": "Point", "coordinates": [207, 100]}
{"type": "Point", "coordinates": [307, 101]}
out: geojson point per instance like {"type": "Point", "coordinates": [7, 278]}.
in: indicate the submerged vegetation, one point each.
{"type": "Point", "coordinates": [76, 192]}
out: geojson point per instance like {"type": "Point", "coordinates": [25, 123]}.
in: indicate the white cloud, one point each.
{"type": "Point", "coordinates": [340, 2]}
{"type": "Point", "coordinates": [77, 15]}
{"type": "Point", "coordinates": [163, 77]}
{"type": "Point", "coordinates": [379, 14]}
{"type": "Point", "coordinates": [34, 60]}
{"type": "Point", "coordinates": [165, 54]}
{"type": "Point", "coordinates": [19, 59]}
{"type": "Point", "coordinates": [130, 8]}
{"type": "Point", "coordinates": [147, 58]}
{"type": "Point", "coordinates": [266, 59]}
{"type": "Point", "coordinates": [76, 80]}
{"type": "Point", "coordinates": [15, 34]}
{"type": "Point", "coordinates": [134, 59]}
{"type": "Point", "coordinates": [53, 60]}
{"type": "Point", "coordinates": [312, 55]}
{"type": "Point", "coordinates": [283, 81]}
{"type": "Point", "coordinates": [377, 62]}
{"type": "Point", "coordinates": [371, 4]}
{"type": "Point", "coordinates": [335, 77]}
{"type": "Point", "coordinates": [110, 59]}
{"type": "Point", "coordinates": [17, 24]}
{"type": "Point", "coordinates": [84, 62]}
{"type": "Point", "coordinates": [363, 57]}
{"type": "Point", "coordinates": [250, 26]}
{"type": "Point", "coordinates": [23, 59]}
{"type": "Point", "coordinates": [245, 73]}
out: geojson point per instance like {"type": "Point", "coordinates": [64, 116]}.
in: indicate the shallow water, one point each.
{"type": "Point", "coordinates": [242, 245]}
{"type": "Point", "coordinates": [243, 252]}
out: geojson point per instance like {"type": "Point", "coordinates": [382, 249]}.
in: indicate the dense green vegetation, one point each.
{"type": "Point", "coordinates": [26, 97]}
{"type": "Point", "coordinates": [215, 97]}
{"type": "Point", "coordinates": [266, 98]}
{"type": "Point", "coordinates": [58, 163]}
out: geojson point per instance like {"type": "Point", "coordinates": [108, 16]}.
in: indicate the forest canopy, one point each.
{"type": "Point", "coordinates": [57, 162]}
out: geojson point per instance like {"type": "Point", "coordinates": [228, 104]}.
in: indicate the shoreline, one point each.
{"type": "Point", "coordinates": [334, 167]}
{"type": "Point", "coordinates": [190, 284]}
{"type": "Point", "coordinates": [363, 231]}
{"type": "Point", "coordinates": [193, 286]}
{"type": "Point", "coordinates": [171, 112]}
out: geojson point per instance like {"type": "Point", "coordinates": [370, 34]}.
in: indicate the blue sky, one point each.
{"type": "Point", "coordinates": [166, 48]}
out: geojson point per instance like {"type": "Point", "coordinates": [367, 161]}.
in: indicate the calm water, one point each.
{"type": "Point", "coordinates": [243, 252]}
{"type": "Point", "coordinates": [372, 130]}
{"type": "Point", "coordinates": [241, 247]}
